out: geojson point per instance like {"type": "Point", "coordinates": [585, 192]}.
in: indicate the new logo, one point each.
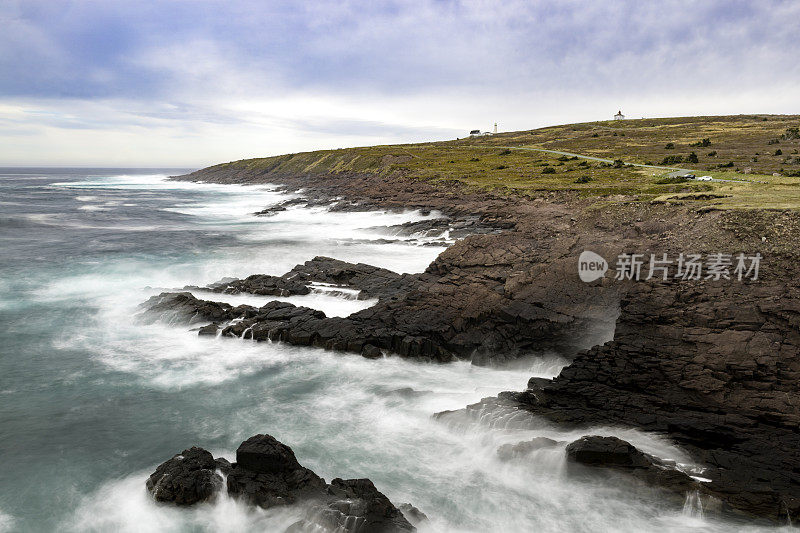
{"type": "Point", "coordinates": [591, 266]}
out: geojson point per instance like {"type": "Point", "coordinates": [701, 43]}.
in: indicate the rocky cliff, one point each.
{"type": "Point", "coordinates": [712, 364]}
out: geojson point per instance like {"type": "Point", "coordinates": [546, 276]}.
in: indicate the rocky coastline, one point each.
{"type": "Point", "coordinates": [713, 365]}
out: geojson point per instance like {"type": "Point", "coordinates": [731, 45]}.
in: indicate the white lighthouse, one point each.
{"type": "Point", "coordinates": [495, 127]}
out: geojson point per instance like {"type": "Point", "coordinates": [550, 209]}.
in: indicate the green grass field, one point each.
{"type": "Point", "coordinates": [749, 149]}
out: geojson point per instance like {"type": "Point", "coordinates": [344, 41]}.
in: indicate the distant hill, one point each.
{"type": "Point", "coordinates": [760, 153]}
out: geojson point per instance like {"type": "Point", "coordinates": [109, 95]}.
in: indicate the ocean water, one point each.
{"type": "Point", "coordinates": [91, 401]}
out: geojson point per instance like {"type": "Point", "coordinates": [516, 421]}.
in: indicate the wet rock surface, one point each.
{"type": "Point", "coordinates": [188, 478]}
{"type": "Point", "coordinates": [715, 367]}
{"type": "Point", "coordinates": [355, 505]}
{"type": "Point", "coordinates": [267, 474]}
{"type": "Point", "coordinates": [620, 456]}
{"type": "Point", "coordinates": [508, 452]}
{"type": "Point", "coordinates": [711, 365]}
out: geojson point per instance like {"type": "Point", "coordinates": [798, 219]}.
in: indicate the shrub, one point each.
{"type": "Point", "coordinates": [672, 160]}
{"type": "Point", "coordinates": [563, 158]}
{"type": "Point", "coordinates": [712, 153]}
{"type": "Point", "coordinates": [583, 179]}
{"type": "Point", "coordinates": [773, 141]}
{"type": "Point", "coordinates": [669, 180]}
{"type": "Point", "coordinates": [729, 164]}
{"type": "Point", "coordinates": [702, 144]}
{"type": "Point", "coordinates": [548, 170]}
{"type": "Point", "coordinates": [778, 152]}
{"type": "Point", "coordinates": [583, 164]}
{"type": "Point", "coordinates": [692, 158]}
{"type": "Point", "coordinates": [619, 163]}
{"type": "Point", "coordinates": [669, 146]}
{"type": "Point", "coordinates": [505, 152]}
{"type": "Point", "coordinates": [501, 167]}
{"type": "Point", "coordinates": [595, 135]}
{"type": "Point", "coordinates": [791, 133]}
{"type": "Point", "coordinates": [474, 159]}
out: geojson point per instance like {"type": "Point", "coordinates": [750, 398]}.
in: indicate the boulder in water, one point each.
{"type": "Point", "coordinates": [267, 474]}
{"type": "Point", "coordinates": [188, 478]}
{"type": "Point", "coordinates": [412, 514]}
{"type": "Point", "coordinates": [506, 452]}
{"type": "Point", "coordinates": [622, 456]}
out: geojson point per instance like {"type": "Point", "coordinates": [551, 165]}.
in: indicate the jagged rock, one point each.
{"type": "Point", "coordinates": [183, 307]}
{"type": "Point", "coordinates": [210, 330]}
{"type": "Point", "coordinates": [267, 474]}
{"type": "Point", "coordinates": [621, 456]}
{"type": "Point", "coordinates": [356, 506]}
{"type": "Point", "coordinates": [188, 478]}
{"type": "Point", "coordinates": [371, 352]}
{"type": "Point", "coordinates": [606, 451]}
{"type": "Point", "coordinates": [282, 206]}
{"type": "Point", "coordinates": [412, 514]}
{"type": "Point", "coordinates": [715, 366]}
{"type": "Point", "coordinates": [506, 452]}
{"type": "Point", "coordinates": [263, 285]}
{"type": "Point", "coordinates": [372, 281]}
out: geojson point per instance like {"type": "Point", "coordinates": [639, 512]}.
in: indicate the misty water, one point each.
{"type": "Point", "coordinates": [91, 401]}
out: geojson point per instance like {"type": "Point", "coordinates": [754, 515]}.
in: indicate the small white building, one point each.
{"type": "Point", "coordinates": [619, 115]}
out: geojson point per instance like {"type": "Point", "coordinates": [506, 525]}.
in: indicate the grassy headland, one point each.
{"type": "Point", "coordinates": [761, 153]}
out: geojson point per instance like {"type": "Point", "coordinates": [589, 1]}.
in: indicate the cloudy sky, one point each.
{"type": "Point", "coordinates": [194, 82]}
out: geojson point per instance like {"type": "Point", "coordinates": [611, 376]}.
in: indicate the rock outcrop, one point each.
{"type": "Point", "coordinates": [711, 364]}
{"type": "Point", "coordinates": [188, 478]}
{"type": "Point", "coordinates": [267, 474]}
{"type": "Point", "coordinates": [355, 505]}
{"type": "Point", "coordinates": [714, 366]}
{"type": "Point", "coordinates": [507, 452]}
{"type": "Point", "coordinates": [619, 456]}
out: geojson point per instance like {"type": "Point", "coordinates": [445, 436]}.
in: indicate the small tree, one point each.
{"type": "Point", "coordinates": [672, 160]}
{"type": "Point", "coordinates": [670, 146]}
{"type": "Point", "coordinates": [692, 158]}
{"type": "Point", "coordinates": [778, 152]}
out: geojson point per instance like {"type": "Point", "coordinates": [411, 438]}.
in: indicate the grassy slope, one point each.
{"type": "Point", "coordinates": [749, 142]}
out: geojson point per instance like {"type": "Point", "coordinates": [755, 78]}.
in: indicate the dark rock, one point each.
{"type": "Point", "coordinates": [356, 506]}
{"type": "Point", "coordinates": [267, 474]}
{"type": "Point", "coordinates": [606, 451]}
{"type": "Point", "coordinates": [412, 514]}
{"type": "Point", "coordinates": [506, 452]}
{"type": "Point", "coordinates": [263, 285]}
{"type": "Point", "coordinates": [371, 352]}
{"type": "Point", "coordinates": [282, 206]}
{"type": "Point", "coordinates": [183, 308]}
{"type": "Point", "coordinates": [188, 478]}
{"type": "Point", "coordinates": [210, 330]}
{"type": "Point", "coordinates": [264, 453]}
{"type": "Point", "coordinates": [621, 456]}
